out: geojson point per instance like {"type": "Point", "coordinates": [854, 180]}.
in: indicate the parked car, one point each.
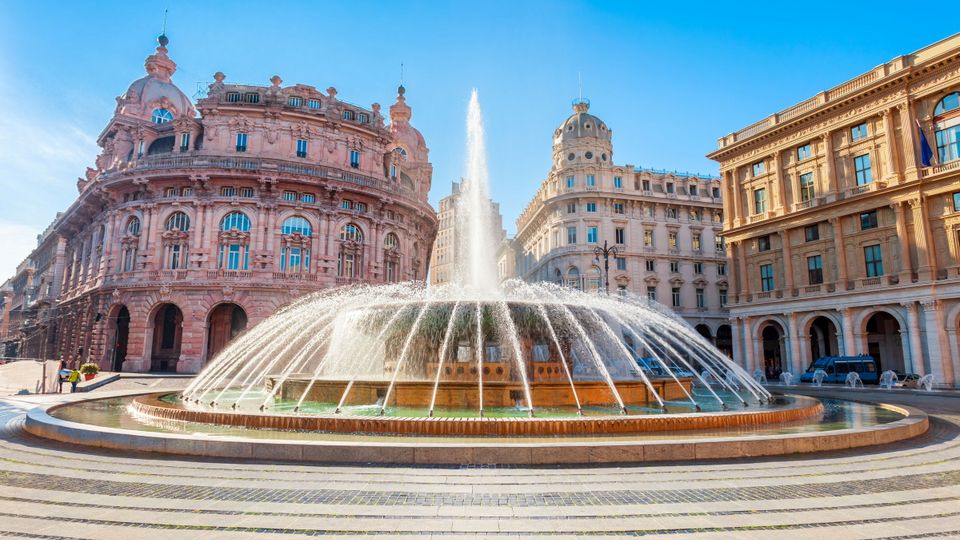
{"type": "Point", "coordinates": [837, 367]}
{"type": "Point", "coordinates": [910, 380]}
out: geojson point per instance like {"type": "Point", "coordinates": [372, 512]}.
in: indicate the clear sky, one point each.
{"type": "Point", "coordinates": [669, 78]}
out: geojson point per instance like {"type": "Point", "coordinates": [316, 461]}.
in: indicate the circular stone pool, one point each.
{"type": "Point", "coordinates": [112, 422]}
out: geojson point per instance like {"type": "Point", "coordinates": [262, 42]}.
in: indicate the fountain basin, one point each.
{"type": "Point", "coordinates": [465, 394]}
{"type": "Point", "coordinates": [161, 406]}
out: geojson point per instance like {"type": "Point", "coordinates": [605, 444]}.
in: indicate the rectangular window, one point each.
{"type": "Point", "coordinates": [571, 235]}
{"type": "Point", "coordinates": [759, 201]}
{"type": "Point", "coordinates": [233, 97]}
{"type": "Point", "coordinates": [815, 270]}
{"type": "Point", "coordinates": [571, 181]}
{"type": "Point", "coordinates": [723, 298]}
{"type": "Point", "coordinates": [171, 192]}
{"type": "Point", "coordinates": [241, 142]}
{"type": "Point", "coordinates": [363, 118]}
{"type": "Point", "coordinates": [874, 260]}
{"type": "Point", "coordinates": [646, 185]}
{"type": "Point", "coordinates": [649, 211]}
{"type": "Point", "coordinates": [572, 208]}
{"type": "Point", "coordinates": [948, 144]}
{"type": "Point", "coordinates": [859, 132]}
{"type": "Point", "coordinates": [618, 208]}
{"type": "Point", "coordinates": [251, 97]}
{"type": "Point", "coordinates": [619, 235]}
{"type": "Point", "coordinates": [348, 115]}
{"type": "Point", "coordinates": [763, 243]}
{"type": "Point", "coordinates": [360, 207]}
{"type": "Point", "coordinates": [621, 263]}
{"type": "Point", "coordinates": [184, 142]}
{"type": "Point", "coordinates": [758, 168]}
{"type": "Point", "coordinates": [591, 207]}
{"type": "Point", "coordinates": [652, 294]}
{"type": "Point", "coordinates": [693, 190]}
{"type": "Point", "coordinates": [721, 269]}
{"type": "Point", "coordinates": [186, 192]}
{"type": "Point", "coordinates": [592, 235]}
{"type": "Point", "coordinates": [346, 204]}
{"type": "Point", "coordinates": [672, 240]}
{"type": "Point", "coordinates": [669, 187]}
{"type": "Point", "coordinates": [811, 233]}
{"type": "Point", "coordinates": [718, 244]}
{"type": "Point", "coordinates": [289, 195]}
{"type": "Point", "coordinates": [651, 265]}
{"type": "Point", "coordinates": [647, 238]}
{"type": "Point", "coordinates": [695, 242]}
{"type": "Point", "coordinates": [308, 198]}
{"type": "Point", "coordinates": [675, 266]}
{"type": "Point", "coordinates": [806, 187]}
{"type": "Point", "coordinates": [701, 301]}
{"type": "Point", "coordinates": [617, 182]}
{"type": "Point", "coordinates": [313, 104]}
{"type": "Point", "coordinates": [803, 152]}
{"type": "Point", "coordinates": [295, 101]}
{"type": "Point", "coordinates": [301, 148]}
{"type": "Point", "coordinates": [868, 220]}
{"type": "Point", "coordinates": [716, 193]}
{"type": "Point", "coordinates": [956, 202]}
{"type": "Point", "coordinates": [591, 180]}
{"type": "Point", "coordinates": [766, 277]}
{"type": "Point", "coordinates": [355, 159]}
{"type": "Point", "coordinates": [228, 191]}
{"type": "Point", "coordinates": [675, 296]}
{"type": "Point", "coordinates": [862, 166]}
{"type": "Point", "coordinates": [698, 268]}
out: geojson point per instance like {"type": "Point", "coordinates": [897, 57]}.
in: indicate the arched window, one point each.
{"type": "Point", "coordinates": [391, 241]}
{"type": "Point", "coordinates": [161, 116]}
{"type": "Point", "coordinates": [573, 278]}
{"type": "Point", "coordinates": [296, 224]}
{"type": "Point", "coordinates": [351, 232]}
{"type": "Point", "coordinates": [133, 226]}
{"type": "Point", "coordinates": [178, 221]}
{"type": "Point", "coordinates": [593, 280]}
{"type": "Point", "coordinates": [947, 127]}
{"type": "Point", "coordinates": [558, 278]}
{"type": "Point", "coordinates": [235, 221]}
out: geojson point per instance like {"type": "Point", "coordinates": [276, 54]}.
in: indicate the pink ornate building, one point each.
{"type": "Point", "coordinates": [199, 221]}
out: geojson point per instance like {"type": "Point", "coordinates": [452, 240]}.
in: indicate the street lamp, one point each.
{"type": "Point", "coordinates": [606, 252]}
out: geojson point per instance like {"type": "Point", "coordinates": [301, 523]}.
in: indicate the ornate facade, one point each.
{"type": "Point", "coordinates": [446, 252]}
{"type": "Point", "coordinates": [198, 221]}
{"type": "Point", "coordinates": [842, 217]}
{"type": "Point", "coordinates": [665, 226]}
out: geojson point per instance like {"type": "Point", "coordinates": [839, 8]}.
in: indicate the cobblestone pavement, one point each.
{"type": "Point", "coordinates": [905, 490]}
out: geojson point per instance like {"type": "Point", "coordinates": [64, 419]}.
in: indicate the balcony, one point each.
{"type": "Point", "coordinates": [169, 275]}
{"type": "Point", "coordinates": [865, 188]}
{"type": "Point", "coordinates": [282, 276]}
{"type": "Point", "coordinates": [229, 274]}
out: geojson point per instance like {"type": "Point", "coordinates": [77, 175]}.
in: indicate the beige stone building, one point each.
{"type": "Point", "coordinates": [665, 226]}
{"type": "Point", "coordinates": [445, 255]}
{"type": "Point", "coordinates": [842, 215]}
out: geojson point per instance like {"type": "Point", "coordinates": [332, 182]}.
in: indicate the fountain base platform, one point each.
{"type": "Point", "coordinates": [159, 406]}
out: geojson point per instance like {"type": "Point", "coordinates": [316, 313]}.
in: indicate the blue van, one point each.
{"type": "Point", "coordinates": [837, 367]}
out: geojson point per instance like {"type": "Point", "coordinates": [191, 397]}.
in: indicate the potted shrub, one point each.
{"type": "Point", "coordinates": [89, 370]}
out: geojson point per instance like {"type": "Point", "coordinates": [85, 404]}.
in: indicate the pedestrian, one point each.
{"type": "Point", "coordinates": [73, 378]}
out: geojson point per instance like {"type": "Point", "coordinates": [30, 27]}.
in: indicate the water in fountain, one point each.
{"type": "Point", "coordinates": [472, 348]}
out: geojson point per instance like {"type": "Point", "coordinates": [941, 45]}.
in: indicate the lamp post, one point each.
{"type": "Point", "coordinates": [606, 252]}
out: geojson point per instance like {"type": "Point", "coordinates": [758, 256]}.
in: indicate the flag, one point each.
{"type": "Point", "coordinates": [926, 153]}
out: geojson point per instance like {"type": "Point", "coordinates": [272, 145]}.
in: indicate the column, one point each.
{"type": "Point", "coordinates": [841, 251]}
{"type": "Point", "coordinates": [739, 353]}
{"type": "Point", "coordinates": [830, 166]}
{"type": "Point", "coordinates": [108, 241]}
{"type": "Point", "coordinates": [915, 362]}
{"type": "Point", "coordinates": [749, 347]}
{"type": "Point", "coordinates": [787, 261]}
{"type": "Point", "coordinates": [795, 342]}
{"type": "Point", "coordinates": [936, 341]}
{"type": "Point", "coordinates": [849, 341]}
{"type": "Point", "coordinates": [198, 227]}
{"type": "Point", "coordinates": [891, 167]}
{"type": "Point", "coordinates": [903, 237]}
{"type": "Point", "coordinates": [781, 185]}
{"type": "Point", "coordinates": [743, 279]}
{"type": "Point", "coordinates": [737, 198]}
{"type": "Point", "coordinates": [909, 146]}
{"type": "Point", "coordinates": [926, 258]}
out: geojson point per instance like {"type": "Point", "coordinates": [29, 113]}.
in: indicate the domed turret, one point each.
{"type": "Point", "coordinates": [403, 133]}
{"type": "Point", "coordinates": [155, 97]}
{"type": "Point", "coordinates": [581, 124]}
{"type": "Point", "coordinates": [582, 137]}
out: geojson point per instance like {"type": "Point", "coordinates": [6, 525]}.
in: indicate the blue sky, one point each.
{"type": "Point", "coordinates": [669, 79]}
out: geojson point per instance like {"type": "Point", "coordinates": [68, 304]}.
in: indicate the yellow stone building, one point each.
{"type": "Point", "coordinates": [842, 214]}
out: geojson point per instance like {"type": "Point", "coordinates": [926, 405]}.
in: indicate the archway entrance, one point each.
{"type": "Point", "coordinates": [884, 343]}
{"type": "Point", "coordinates": [167, 336]}
{"type": "Point", "coordinates": [823, 339]}
{"type": "Point", "coordinates": [120, 337]}
{"type": "Point", "coordinates": [704, 331]}
{"type": "Point", "coordinates": [771, 350]}
{"type": "Point", "coordinates": [225, 322]}
{"type": "Point", "coordinates": [725, 339]}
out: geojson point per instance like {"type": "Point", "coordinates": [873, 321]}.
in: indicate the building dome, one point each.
{"type": "Point", "coordinates": [581, 124]}
{"type": "Point", "coordinates": [155, 97]}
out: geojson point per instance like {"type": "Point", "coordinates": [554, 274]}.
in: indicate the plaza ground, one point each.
{"type": "Point", "coordinates": [904, 490]}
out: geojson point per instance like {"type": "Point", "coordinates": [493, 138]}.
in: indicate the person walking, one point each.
{"type": "Point", "coordinates": [73, 378]}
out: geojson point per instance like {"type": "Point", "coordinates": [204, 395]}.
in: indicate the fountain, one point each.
{"type": "Point", "coordinates": [853, 380]}
{"type": "Point", "coordinates": [478, 371]}
{"type": "Point", "coordinates": [889, 379]}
